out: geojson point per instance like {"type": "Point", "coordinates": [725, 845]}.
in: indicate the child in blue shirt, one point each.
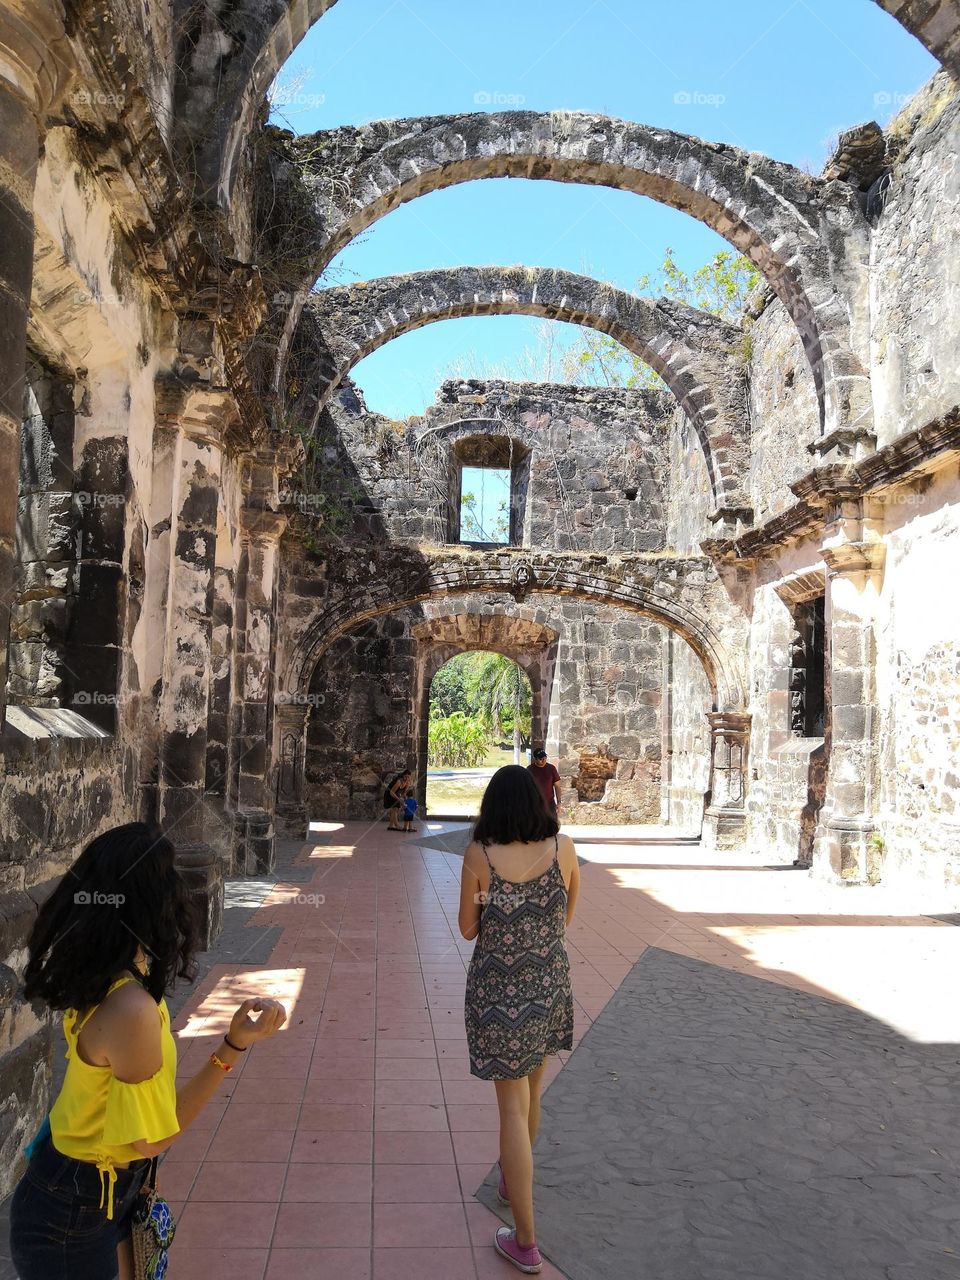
{"type": "Point", "coordinates": [409, 811]}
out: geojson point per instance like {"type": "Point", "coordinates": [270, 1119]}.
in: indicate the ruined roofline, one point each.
{"type": "Point", "coordinates": [454, 390]}
{"type": "Point", "coordinates": [922, 113]}
{"type": "Point", "coordinates": [479, 398]}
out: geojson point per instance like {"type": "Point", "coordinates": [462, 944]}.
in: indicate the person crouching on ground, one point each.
{"type": "Point", "coordinates": [409, 810]}
{"type": "Point", "coordinates": [393, 798]}
{"type": "Point", "coordinates": [518, 893]}
{"type": "Point", "coordinates": [108, 943]}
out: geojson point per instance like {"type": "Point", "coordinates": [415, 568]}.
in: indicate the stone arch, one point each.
{"type": "Point", "coordinates": [679, 594]}
{"type": "Point", "coordinates": [699, 356]}
{"type": "Point", "coordinates": [531, 645]}
{"type": "Point", "coordinates": [806, 235]}
{"type": "Point", "coordinates": [936, 26]}
{"type": "Point", "coordinates": [227, 56]}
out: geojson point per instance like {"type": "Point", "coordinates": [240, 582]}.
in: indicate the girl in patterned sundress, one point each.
{"type": "Point", "coordinates": [517, 895]}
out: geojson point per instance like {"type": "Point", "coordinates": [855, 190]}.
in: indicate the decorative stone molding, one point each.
{"type": "Point", "coordinates": [843, 446]}
{"type": "Point", "coordinates": [259, 525]}
{"type": "Point", "coordinates": [36, 60]}
{"type": "Point", "coordinates": [677, 592]}
{"type": "Point", "coordinates": [204, 413]}
{"type": "Point", "coordinates": [731, 522]}
{"type": "Point", "coordinates": [801, 587]}
{"type": "Point", "coordinates": [725, 818]}
{"type": "Point", "coordinates": [855, 558]}
{"type": "Point", "coordinates": [905, 460]}
{"type": "Point", "coordinates": [523, 582]}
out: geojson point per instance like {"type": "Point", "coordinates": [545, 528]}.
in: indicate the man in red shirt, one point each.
{"type": "Point", "coordinates": [547, 779]}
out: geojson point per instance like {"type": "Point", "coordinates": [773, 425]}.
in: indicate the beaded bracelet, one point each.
{"type": "Point", "coordinates": [219, 1062]}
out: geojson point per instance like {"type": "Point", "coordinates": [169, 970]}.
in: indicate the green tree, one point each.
{"type": "Point", "coordinates": [457, 741]}
{"type": "Point", "coordinates": [720, 287]}
{"type": "Point", "coordinates": [471, 525]}
{"type": "Point", "coordinates": [502, 697]}
{"type": "Point", "coordinates": [448, 692]}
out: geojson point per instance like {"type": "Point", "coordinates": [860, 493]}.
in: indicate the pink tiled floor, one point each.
{"type": "Point", "coordinates": [354, 1142]}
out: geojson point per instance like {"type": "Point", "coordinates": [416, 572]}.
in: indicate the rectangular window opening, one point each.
{"type": "Point", "coordinates": [485, 505]}
{"type": "Point", "coordinates": [808, 669]}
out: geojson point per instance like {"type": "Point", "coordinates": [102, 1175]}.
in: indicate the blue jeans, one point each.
{"type": "Point", "coordinates": [57, 1229]}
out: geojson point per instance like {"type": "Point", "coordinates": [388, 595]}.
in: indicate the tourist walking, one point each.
{"type": "Point", "coordinates": [518, 893]}
{"type": "Point", "coordinates": [547, 778]}
{"type": "Point", "coordinates": [107, 944]}
{"type": "Point", "coordinates": [393, 798]}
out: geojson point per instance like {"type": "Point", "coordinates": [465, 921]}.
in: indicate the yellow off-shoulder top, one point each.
{"type": "Point", "coordinates": [97, 1117]}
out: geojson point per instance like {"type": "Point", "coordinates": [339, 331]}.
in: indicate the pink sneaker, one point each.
{"type": "Point", "coordinates": [527, 1260]}
{"type": "Point", "coordinates": [502, 1194]}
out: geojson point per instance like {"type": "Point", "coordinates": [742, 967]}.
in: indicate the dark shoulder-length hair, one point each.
{"type": "Point", "coordinates": [513, 809]}
{"type": "Point", "coordinates": [122, 894]}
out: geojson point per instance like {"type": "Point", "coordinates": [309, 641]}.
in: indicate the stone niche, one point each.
{"type": "Point", "coordinates": [597, 766]}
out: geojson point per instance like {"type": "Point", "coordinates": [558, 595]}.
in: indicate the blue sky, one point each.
{"type": "Point", "coordinates": [778, 76]}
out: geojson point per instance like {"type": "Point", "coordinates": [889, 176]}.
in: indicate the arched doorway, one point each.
{"type": "Point", "coordinates": [479, 718]}
{"type": "Point", "coordinates": [635, 733]}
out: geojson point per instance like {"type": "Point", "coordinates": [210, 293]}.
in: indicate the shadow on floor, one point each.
{"type": "Point", "coordinates": [711, 1124]}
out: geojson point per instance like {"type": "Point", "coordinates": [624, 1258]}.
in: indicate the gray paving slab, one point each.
{"type": "Point", "coordinates": [453, 841]}
{"type": "Point", "coordinates": [712, 1125]}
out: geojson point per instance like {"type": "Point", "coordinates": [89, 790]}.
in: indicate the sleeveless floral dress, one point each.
{"type": "Point", "coordinates": [519, 1002]}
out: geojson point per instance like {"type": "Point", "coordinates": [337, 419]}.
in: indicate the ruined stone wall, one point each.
{"type": "Point", "coordinates": [919, 684]}
{"type": "Point", "coordinates": [604, 731]}
{"type": "Point", "coordinates": [602, 706]}
{"type": "Point", "coordinates": [914, 286]}
{"type": "Point", "coordinates": [71, 758]}
{"type": "Point", "coordinates": [91, 631]}
{"type": "Point", "coordinates": [684, 686]}
{"type": "Point", "coordinates": [689, 498]}
{"type": "Point", "coordinates": [686, 735]}
{"type": "Point", "coordinates": [362, 718]}
{"type": "Point", "coordinates": [915, 268]}
{"type": "Point", "coordinates": [784, 414]}
{"type": "Point", "coordinates": [598, 480]}
{"type": "Point", "coordinates": [597, 464]}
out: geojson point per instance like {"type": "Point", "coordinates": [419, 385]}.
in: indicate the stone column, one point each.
{"type": "Point", "coordinates": [725, 818]}
{"type": "Point", "coordinates": [35, 70]}
{"type": "Point", "coordinates": [260, 532]}
{"type": "Point", "coordinates": [844, 846]}
{"type": "Point", "coordinates": [291, 735]}
{"type": "Point", "coordinates": [34, 73]}
{"type": "Point", "coordinates": [198, 416]}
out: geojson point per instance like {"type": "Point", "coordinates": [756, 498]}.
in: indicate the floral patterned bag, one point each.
{"type": "Point", "coordinates": [152, 1232]}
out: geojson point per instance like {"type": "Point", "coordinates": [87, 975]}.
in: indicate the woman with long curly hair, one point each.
{"type": "Point", "coordinates": [518, 892]}
{"type": "Point", "coordinates": [108, 944]}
